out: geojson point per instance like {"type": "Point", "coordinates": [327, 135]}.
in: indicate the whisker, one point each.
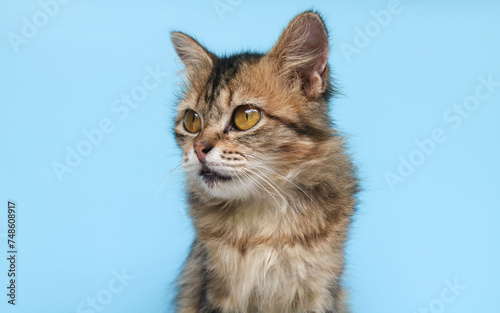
{"type": "Point", "coordinates": [169, 156]}
{"type": "Point", "coordinates": [263, 188]}
{"type": "Point", "coordinates": [284, 177]}
{"type": "Point", "coordinates": [235, 174]}
{"type": "Point", "coordinates": [268, 181]}
{"type": "Point", "coordinates": [265, 180]}
{"type": "Point", "coordinates": [292, 206]}
{"type": "Point", "coordinates": [163, 180]}
{"type": "Point", "coordinates": [251, 186]}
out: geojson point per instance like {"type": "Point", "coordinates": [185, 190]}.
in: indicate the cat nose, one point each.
{"type": "Point", "coordinates": [202, 149]}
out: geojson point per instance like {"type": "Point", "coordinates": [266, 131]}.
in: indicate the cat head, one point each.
{"type": "Point", "coordinates": [249, 123]}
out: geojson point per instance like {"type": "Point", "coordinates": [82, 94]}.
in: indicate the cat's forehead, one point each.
{"type": "Point", "coordinates": [236, 80]}
{"type": "Point", "coordinates": [224, 71]}
{"type": "Point", "coordinates": [228, 81]}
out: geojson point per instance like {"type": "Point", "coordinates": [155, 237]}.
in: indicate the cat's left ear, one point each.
{"type": "Point", "coordinates": [303, 49]}
{"type": "Point", "coordinates": [193, 55]}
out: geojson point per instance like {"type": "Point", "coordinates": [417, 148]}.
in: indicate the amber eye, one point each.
{"type": "Point", "coordinates": [192, 121]}
{"type": "Point", "coordinates": [245, 117]}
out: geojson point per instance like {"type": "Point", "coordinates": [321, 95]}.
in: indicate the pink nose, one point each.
{"type": "Point", "coordinates": [202, 149]}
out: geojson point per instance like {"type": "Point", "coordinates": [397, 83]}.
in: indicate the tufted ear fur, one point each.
{"type": "Point", "coordinates": [192, 54]}
{"type": "Point", "coordinates": [302, 50]}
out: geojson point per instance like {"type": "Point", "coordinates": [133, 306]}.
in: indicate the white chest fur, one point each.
{"type": "Point", "coordinates": [268, 279]}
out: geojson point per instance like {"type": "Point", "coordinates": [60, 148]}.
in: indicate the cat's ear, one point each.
{"type": "Point", "coordinates": [192, 54]}
{"type": "Point", "coordinates": [302, 50]}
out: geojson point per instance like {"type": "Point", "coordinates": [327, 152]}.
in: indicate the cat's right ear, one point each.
{"type": "Point", "coordinates": [192, 54]}
{"type": "Point", "coordinates": [302, 50]}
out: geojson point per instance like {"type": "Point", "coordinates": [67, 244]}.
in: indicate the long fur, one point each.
{"type": "Point", "coordinates": [272, 238]}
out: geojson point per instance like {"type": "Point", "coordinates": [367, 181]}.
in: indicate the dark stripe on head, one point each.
{"type": "Point", "coordinates": [223, 71]}
{"type": "Point", "coordinates": [303, 129]}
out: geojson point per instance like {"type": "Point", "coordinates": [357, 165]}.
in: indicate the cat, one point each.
{"type": "Point", "coordinates": [271, 190]}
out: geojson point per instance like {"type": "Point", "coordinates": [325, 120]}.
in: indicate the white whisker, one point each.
{"type": "Point", "coordinates": [263, 188]}
{"type": "Point", "coordinates": [284, 177]}
{"type": "Point", "coordinates": [163, 180]}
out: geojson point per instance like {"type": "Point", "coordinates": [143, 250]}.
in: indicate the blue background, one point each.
{"type": "Point", "coordinates": [112, 212]}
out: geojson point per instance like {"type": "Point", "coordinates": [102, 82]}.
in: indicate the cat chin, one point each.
{"type": "Point", "coordinates": [229, 189]}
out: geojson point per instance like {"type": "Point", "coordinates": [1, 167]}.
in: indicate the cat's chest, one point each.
{"type": "Point", "coordinates": [270, 279]}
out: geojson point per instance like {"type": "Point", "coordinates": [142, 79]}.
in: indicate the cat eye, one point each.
{"type": "Point", "coordinates": [246, 117]}
{"type": "Point", "coordinates": [192, 121]}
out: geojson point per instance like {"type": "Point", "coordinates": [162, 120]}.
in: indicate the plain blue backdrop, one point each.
{"type": "Point", "coordinates": [101, 233]}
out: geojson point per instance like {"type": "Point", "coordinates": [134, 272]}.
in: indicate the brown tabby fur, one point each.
{"type": "Point", "coordinates": [271, 239]}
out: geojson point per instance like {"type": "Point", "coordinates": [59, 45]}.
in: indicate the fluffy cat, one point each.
{"type": "Point", "coordinates": [270, 187]}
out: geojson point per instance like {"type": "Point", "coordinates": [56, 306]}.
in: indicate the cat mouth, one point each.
{"type": "Point", "coordinates": [211, 177]}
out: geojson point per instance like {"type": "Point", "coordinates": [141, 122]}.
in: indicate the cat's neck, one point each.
{"type": "Point", "coordinates": [272, 220]}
